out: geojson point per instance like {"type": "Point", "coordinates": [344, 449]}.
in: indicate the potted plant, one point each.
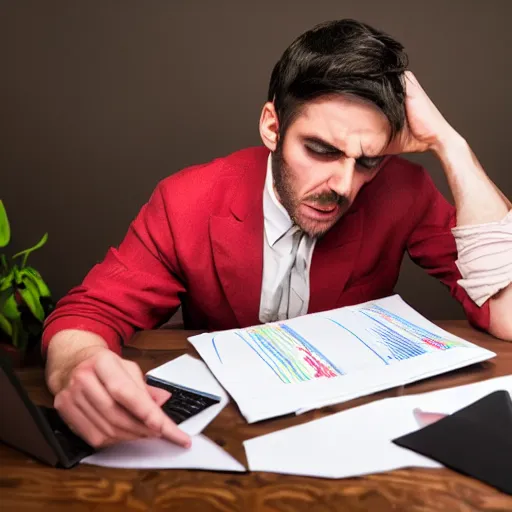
{"type": "Point", "coordinates": [25, 299]}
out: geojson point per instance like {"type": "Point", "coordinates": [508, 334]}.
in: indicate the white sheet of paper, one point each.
{"type": "Point", "coordinates": [330, 357]}
{"type": "Point", "coordinates": [161, 454]}
{"type": "Point", "coordinates": [358, 441]}
{"type": "Point", "coordinates": [193, 373]}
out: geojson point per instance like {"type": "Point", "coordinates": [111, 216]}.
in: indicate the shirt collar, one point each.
{"type": "Point", "coordinates": [277, 220]}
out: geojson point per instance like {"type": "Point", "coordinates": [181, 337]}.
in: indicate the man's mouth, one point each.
{"type": "Point", "coordinates": [324, 208]}
{"type": "Point", "coordinates": [322, 211]}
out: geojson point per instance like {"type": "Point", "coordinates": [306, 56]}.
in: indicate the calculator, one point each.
{"type": "Point", "coordinates": [184, 402]}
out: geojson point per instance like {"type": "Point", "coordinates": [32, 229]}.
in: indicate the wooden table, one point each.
{"type": "Point", "coordinates": [26, 484]}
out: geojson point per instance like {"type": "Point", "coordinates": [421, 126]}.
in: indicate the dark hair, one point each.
{"type": "Point", "coordinates": [341, 57]}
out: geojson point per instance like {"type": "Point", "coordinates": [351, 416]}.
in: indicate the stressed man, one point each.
{"type": "Point", "coordinates": [319, 217]}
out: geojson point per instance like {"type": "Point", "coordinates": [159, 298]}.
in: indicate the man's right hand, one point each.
{"type": "Point", "coordinates": [104, 399]}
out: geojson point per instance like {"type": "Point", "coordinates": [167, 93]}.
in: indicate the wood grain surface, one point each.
{"type": "Point", "coordinates": [28, 485]}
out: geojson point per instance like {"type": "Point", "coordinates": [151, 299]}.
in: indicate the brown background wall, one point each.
{"type": "Point", "coordinates": [100, 99]}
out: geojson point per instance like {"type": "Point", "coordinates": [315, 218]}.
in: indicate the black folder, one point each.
{"type": "Point", "coordinates": [475, 441]}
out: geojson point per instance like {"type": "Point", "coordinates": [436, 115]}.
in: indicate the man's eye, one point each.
{"type": "Point", "coordinates": [369, 162]}
{"type": "Point", "coordinates": [321, 151]}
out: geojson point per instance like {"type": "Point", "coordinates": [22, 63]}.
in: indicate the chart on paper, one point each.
{"type": "Point", "coordinates": [392, 338]}
{"type": "Point", "coordinates": [289, 355]}
{"type": "Point", "coordinates": [330, 356]}
{"type": "Point", "coordinates": [324, 346]}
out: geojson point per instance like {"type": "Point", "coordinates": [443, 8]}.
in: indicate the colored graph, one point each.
{"type": "Point", "coordinates": [393, 338]}
{"type": "Point", "coordinates": [289, 355]}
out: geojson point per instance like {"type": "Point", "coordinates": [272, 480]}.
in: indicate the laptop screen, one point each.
{"type": "Point", "coordinates": [18, 425]}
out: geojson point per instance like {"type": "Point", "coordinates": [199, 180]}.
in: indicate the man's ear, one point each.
{"type": "Point", "coordinates": [269, 126]}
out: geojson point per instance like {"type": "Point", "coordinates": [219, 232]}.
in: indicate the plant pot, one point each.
{"type": "Point", "coordinates": [31, 357]}
{"type": "Point", "coordinates": [11, 353]}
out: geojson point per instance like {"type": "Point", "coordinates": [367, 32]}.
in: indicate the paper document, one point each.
{"type": "Point", "coordinates": [161, 454]}
{"type": "Point", "coordinates": [358, 441]}
{"type": "Point", "coordinates": [330, 357]}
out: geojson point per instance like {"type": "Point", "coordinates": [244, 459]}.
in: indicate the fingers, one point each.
{"type": "Point", "coordinates": [413, 87]}
{"type": "Point", "coordinates": [425, 418]}
{"type": "Point", "coordinates": [171, 432]}
{"type": "Point", "coordinates": [112, 433]}
{"type": "Point", "coordinates": [91, 413]}
{"type": "Point", "coordinates": [78, 421]}
{"type": "Point", "coordinates": [134, 371]}
{"type": "Point", "coordinates": [159, 395]}
{"type": "Point", "coordinates": [96, 425]}
{"type": "Point", "coordinates": [119, 419]}
{"type": "Point", "coordinates": [411, 77]}
{"type": "Point", "coordinates": [107, 400]}
{"type": "Point", "coordinates": [135, 397]}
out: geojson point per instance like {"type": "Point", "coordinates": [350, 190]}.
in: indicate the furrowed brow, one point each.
{"type": "Point", "coordinates": [320, 142]}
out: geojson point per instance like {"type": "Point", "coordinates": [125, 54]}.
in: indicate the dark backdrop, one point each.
{"type": "Point", "coordinates": [100, 99]}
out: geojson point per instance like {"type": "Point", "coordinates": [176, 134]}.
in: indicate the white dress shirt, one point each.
{"type": "Point", "coordinates": [286, 261]}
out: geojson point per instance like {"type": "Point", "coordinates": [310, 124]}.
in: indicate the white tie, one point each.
{"type": "Point", "coordinates": [290, 284]}
{"type": "Point", "coordinates": [297, 306]}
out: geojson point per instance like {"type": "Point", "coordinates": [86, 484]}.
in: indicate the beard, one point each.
{"type": "Point", "coordinates": [283, 183]}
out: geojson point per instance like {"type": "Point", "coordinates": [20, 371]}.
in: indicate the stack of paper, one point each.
{"type": "Point", "coordinates": [358, 441]}
{"type": "Point", "coordinates": [330, 357]}
{"type": "Point", "coordinates": [158, 453]}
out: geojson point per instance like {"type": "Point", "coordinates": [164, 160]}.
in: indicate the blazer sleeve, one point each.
{"type": "Point", "coordinates": [432, 246]}
{"type": "Point", "coordinates": [136, 286]}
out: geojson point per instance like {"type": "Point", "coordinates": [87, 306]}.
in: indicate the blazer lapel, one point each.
{"type": "Point", "coordinates": [238, 255]}
{"type": "Point", "coordinates": [237, 244]}
{"type": "Point", "coordinates": [333, 261]}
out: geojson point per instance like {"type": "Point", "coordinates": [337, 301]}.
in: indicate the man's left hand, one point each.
{"type": "Point", "coordinates": [425, 128]}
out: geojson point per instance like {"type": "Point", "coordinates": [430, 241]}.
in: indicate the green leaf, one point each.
{"type": "Point", "coordinates": [33, 271]}
{"type": "Point", "coordinates": [35, 277]}
{"type": "Point", "coordinates": [32, 288]}
{"type": "Point", "coordinates": [31, 299]}
{"type": "Point", "coordinates": [16, 274]}
{"type": "Point", "coordinates": [4, 296]}
{"type": "Point", "coordinates": [5, 325]}
{"type": "Point", "coordinates": [9, 307]}
{"type": "Point", "coordinates": [6, 281]}
{"type": "Point", "coordinates": [27, 252]}
{"type": "Point", "coordinates": [5, 229]}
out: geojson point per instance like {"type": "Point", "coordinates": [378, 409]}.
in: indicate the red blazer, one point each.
{"type": "Point", "coordinates": [198, 242]}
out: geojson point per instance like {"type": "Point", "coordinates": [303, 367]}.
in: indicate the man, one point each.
{"type": "Point", "coordinates": [318, 218]}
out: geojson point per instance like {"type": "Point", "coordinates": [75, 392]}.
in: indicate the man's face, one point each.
{"type": "Point", "coordinates": [328, 153]}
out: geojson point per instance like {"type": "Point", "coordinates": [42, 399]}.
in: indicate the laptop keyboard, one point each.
{"type": "Point", "coordinates": [74, 447]}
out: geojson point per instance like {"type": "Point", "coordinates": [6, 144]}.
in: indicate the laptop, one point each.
{"type": "Point", "coordinates": [41, 433]}
{"type": "Point", "coordinates": [33, 429]}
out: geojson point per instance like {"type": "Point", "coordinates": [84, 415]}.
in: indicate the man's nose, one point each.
{"type": "Point", "coordinates": [342, 178]}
